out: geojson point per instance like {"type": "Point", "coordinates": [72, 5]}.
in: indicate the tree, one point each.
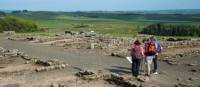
{"type": "Point", "coordinates": [172, 30]}
{"type": "Point", "coordinates": [2, 13]}
{"type": "Point", "coordinates": [16, 11]}
{"type": "Point", "coordinates": [24, 11]}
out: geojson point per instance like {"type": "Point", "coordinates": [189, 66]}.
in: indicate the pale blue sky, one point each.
{"type": "Point", "coordinates": [107, 5]}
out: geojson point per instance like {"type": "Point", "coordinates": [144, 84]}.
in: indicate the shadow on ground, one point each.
{"type": "Point", "coordinates": [119, 70]}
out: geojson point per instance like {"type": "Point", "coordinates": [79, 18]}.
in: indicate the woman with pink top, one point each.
{"type": "Point", "coordinates": [137, 54]}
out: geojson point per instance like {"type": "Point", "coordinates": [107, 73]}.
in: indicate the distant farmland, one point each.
{"type": "Point", "coordinates": [116, 24]}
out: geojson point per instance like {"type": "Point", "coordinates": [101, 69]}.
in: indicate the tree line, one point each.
{"type": "Point", "coordinates": [2, 13]}
{"type": "Point", "coordinates": [172, 30]}
{"type": "Point", "coordinates": [20, 11]}
{"type": "Point", "coordinates": [11, 23]}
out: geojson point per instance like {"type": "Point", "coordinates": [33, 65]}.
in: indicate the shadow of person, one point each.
{"type": "Point", "coordinates": [119, 70]}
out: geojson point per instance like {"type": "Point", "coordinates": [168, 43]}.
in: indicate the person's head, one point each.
{"type": "Point", "coordinates": [146, 39]}
{"type": "Point", "coordinates": [152, 38]}
{"type": "Point", "coordinates": [137, 42]}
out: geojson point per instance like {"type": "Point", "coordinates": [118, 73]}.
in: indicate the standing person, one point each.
{"type": "Point", "coordinates": [158, 51]}
{"type": "Point", "coordinates": [145, 40]}
{"type": "Point", "coordinates": [150, 51]}
{"type": "Point", "coordinates": [137, 54]}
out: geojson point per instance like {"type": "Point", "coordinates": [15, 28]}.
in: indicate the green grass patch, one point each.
{"type": "Point", "coordinates": [117, 25]}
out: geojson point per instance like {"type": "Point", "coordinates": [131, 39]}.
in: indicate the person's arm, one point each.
{"type": "Point", "coordinates": [144, 48]}
{"type": "Point", "coordinates": [142, 51]}
{"type": "Point", "coordinates": [130, 48]}
{"type": "Point", "coordinates": [156, 44]}
{"type": "Point", "coordinates": [161, 48]}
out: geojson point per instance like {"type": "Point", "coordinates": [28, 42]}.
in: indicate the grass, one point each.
{"type": "Point", "coordinates": [117, 25]}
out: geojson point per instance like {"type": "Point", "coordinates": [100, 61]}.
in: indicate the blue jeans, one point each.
{"type": "Point", "coordinates": [135, 66]}
{"type": "Point", "coordinates": [155, 64]}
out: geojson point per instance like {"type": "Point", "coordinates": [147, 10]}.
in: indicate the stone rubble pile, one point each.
{"type": "Point", "coordinates": [186, 82]}
{"type": "Point", "coordinates": [123, 81]}
{"type": "Point", "coordinates": [48, 68]}
{"type": "Point", "coordinates": [188, 43]}
{"type": "Point", "coordinates": [103, 44]}
{"type": "Point", "coordinates": [58, 85]}
{"type": "Point", "coordinates": [174, 59]}
{"type": "Point", "coordinates": [49, 65]}
{"type": "Point", "coordinates": [183, 85]}
{"type": "Point", "coordinates": [44, 65]}
{"type": "Point", "coordinates": [8, 33]}
{"type": "Point", "coordinates": [16, 39]}
{"type": "Point", "coordinates": [88, 75]}
{"type": "Point", "coordinates": [10, 53]}
{"type": "Point", "coordinates": [129, 81]}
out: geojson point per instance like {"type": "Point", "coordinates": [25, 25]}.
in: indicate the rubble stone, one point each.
{"type": "Point", "coordinates": [26, 57]}
{"type": "Point", "coordinates": [54, 85]}
{"type": "Point", "coordinates": [48, 68]}
{"type": "Point", "coordinates": [120, 80]}
{"type": "Point", "coordinates": [87, 75]}
{"type": "Point", "coordinates": [9, 32]}
{"type": "Point", "coordinates": [193, 78]}
{"type": "Point", "coordinates": [183, 85]}
{"type": "Point", "coordinates": [143, 78]}
{"type": "Point", "coordinates": [192, 64]}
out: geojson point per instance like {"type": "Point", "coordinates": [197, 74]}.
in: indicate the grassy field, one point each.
{"type": "Point", "coordinates": [118, 25]}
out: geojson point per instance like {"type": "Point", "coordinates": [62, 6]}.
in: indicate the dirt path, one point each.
{"type": "Point", "coordinates": [86, 61]}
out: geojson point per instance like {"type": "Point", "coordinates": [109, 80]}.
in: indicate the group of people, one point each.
{"type": "Point", "coordinates": [148, 52]}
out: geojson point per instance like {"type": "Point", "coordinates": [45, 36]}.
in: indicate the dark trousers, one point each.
{"type": "Point", "coordinates": [135, 66]}
{"type": "Point", "coordinates": [155, 64]}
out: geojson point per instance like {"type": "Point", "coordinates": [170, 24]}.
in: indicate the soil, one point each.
{"type": "Point", "coordinates": [15, 73]}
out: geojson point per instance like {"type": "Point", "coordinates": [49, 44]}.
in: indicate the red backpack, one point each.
{"type": "Point", "coordinates": [150, 48]}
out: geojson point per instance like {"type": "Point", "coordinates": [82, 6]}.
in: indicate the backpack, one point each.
{"type": "Point", "coordinates": [137, 52]}
{"type": "Point", "coordinates": [159, 49]}
{"type": "Point", "coordinates": [150, 48]}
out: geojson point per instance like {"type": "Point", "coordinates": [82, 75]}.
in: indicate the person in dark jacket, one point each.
{"type": "Point", "coordinates": [149, 51]}
{"type": "Point", "coordinates": [158, 51]}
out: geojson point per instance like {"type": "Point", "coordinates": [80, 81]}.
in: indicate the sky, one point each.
{"type": "Point", "coordinates": [98, 5]}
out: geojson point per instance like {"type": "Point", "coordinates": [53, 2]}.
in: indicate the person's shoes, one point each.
{"type": "Point", "coordinates": [155, 73]}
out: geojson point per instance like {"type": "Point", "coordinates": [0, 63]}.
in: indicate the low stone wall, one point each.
{"type": "Point", "coordinates": [7, 33]}
{"type": "Point", "coordinates": [174, 59]}
{"type": "Point", "coordinates": [44, 65]}
{"type": "Point", "coordinates": [169, 44]}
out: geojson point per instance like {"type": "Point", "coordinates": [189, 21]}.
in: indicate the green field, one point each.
{"type": "Point", "coordinates": [116, 24]}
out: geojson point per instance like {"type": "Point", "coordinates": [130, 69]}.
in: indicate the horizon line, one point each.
{"type": "Point", "coordinates": [95, 10]}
